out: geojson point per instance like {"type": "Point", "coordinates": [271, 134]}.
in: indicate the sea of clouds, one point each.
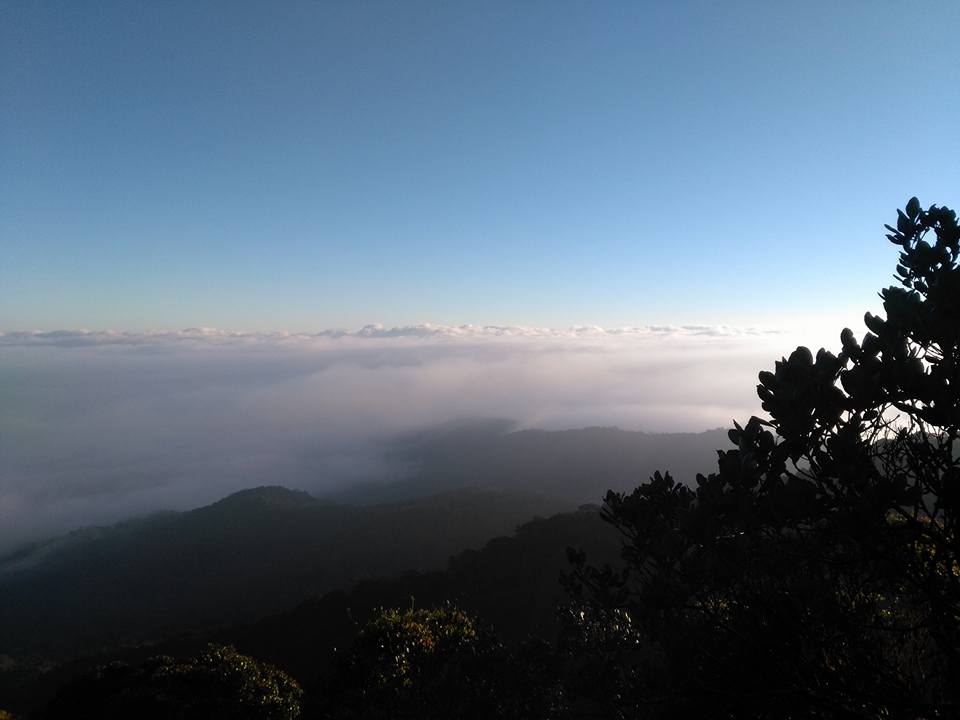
{"type": "Point", "coordinates": [98, 426]}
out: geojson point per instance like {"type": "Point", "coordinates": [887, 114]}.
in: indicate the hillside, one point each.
{"type": "Point", "coordinates": [512, 583]}
{"type": "Point", "coordinates": [577, 466]}
{"type": "Point", "coordinates": [263, 550]}
{"type": "Point", "coordinates": [255, 552]}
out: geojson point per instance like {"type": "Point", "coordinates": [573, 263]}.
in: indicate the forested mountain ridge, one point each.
{"type": "Point", "coordinates": [512, 582]}
{"type": "Point", "coordinates": [263, 550]}
{"type": "Point", "coordinates": [253, 553]}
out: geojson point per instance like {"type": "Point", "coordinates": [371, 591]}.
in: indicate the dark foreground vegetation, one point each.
{"type": "Point", "coordinates": [814, 574]}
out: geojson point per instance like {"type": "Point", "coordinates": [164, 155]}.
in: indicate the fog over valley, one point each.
{"type": "Point", "coordinates": [96, 427]}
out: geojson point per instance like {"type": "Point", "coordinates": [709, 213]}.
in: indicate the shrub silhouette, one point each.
{"type": "Point", "coordinates": [815, 573]}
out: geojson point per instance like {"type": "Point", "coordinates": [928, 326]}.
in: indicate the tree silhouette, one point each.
{"type": "Point", "coordinates": [815, 573]}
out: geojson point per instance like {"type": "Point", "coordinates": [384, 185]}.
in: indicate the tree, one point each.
{"type": "Point", "coordinates": [815, 573]}
{"type": "Point", "coordinates": [437, 663]}
{"type": "Point", "coordinates": [219, 684]}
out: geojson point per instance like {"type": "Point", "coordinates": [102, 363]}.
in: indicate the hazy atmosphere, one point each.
{"type": "Point", "coordinates": [95, 426]}
{"type": "Point", "coordinates": [275, 172]}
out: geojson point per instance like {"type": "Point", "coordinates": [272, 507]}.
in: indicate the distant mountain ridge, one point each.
{"type": "Point", "coordinates": [267, 495]}
{"type": "Point", "coordinates": [264, 549]}
{"type": "Point", "coordinates": [577, 466]}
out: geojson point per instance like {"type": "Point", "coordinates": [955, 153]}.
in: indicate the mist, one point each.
{"type": "Point", "coordinates": [99, 426]}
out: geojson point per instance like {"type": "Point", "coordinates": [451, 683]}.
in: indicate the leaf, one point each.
{"type": "Point", "coordinates": [801, 357]}
{"type": "Point", "coordinates": [874, 323]}
{"type": "Point", "coordinates": [913, 208]}
{"type": "Point", "coordinates": [871, 345]}
{"type": "Point", "coordinates": [847, 338]}
{"type": "Point", "coordinates": [904, 224]}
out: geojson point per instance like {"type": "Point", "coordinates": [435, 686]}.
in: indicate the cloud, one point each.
{"type": "Point", "coordinates": [95, 426]}
{"type": "Point", "coordinates": [77, 338]}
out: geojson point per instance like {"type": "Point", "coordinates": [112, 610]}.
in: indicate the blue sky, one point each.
{"type": "Point", "coordinates": [306, 165]}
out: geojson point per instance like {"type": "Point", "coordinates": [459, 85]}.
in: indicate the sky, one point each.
{"type": "Point", "coordinates": [246, 243]}
{"type": "Point", "coordinates": [302, 166]}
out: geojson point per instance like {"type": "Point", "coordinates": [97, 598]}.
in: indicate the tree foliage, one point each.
{"type": "Point", "coordinates": [437, 663]}
{"type": "Point", "coordinates": [219, 684]}
{"type": "Point", "coordinates": [815, 573]}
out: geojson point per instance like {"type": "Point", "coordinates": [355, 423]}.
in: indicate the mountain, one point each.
{"type": "Point", "coordinates": [577, 466]}
{"type": "Point", "coordinates": [253, 553]}
{"type": "Point", "coordinates": [512, 583]}
{"type": "Point", "coordinates": [182, 579]}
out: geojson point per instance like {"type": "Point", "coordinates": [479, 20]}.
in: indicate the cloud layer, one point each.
{"type": "Point", "coordinates": [95, 426]}
{"type": "Point", "coordinates": [76, 338]}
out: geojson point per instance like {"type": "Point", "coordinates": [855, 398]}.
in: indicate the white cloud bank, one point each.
{"type": "Point", "coordinates": [74, 338]}
{"type": "Point", "coordinates": [95, 426]}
